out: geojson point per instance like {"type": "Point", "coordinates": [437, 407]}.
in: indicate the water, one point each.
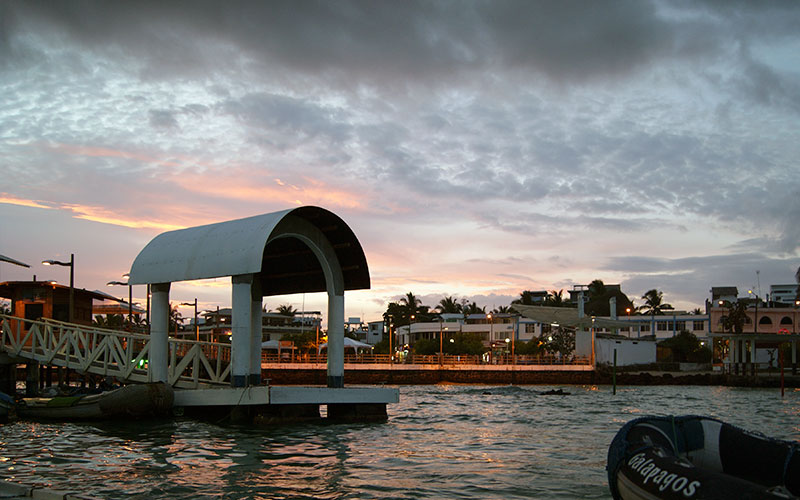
{"type": "Point", "coordinates": [443, 441]}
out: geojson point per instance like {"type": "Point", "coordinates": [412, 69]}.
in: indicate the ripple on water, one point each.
{"type": "Point", "coordinates": [440, 442]}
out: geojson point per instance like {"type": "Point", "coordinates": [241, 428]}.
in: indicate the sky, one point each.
{"type": "Point", "coordinates": [476, 148]}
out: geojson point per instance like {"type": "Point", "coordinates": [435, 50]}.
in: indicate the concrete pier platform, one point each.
{"type": "Point", "coordinates": [9, 490]}
{"type": "Point", "coordinates": [287, 404]}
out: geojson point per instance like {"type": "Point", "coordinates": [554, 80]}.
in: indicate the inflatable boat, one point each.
{"type": "Point", "coordinates": [693, 457]}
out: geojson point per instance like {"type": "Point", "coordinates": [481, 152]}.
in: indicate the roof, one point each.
{"type": "Point", "coordinates": [3, 258]}
{"type": "Point", "coordinates": [566, 316]}
{"type": "Point", "coordinates": [7, 287]}
{"type": "Point", "coordinates": [252, 245]}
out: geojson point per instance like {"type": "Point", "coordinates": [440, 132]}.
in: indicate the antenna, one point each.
{"type": "Point", "coordinates": [758, 281]}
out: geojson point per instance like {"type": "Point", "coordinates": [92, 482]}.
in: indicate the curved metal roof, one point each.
{"type": "Point", "coordinates": [252, 246]}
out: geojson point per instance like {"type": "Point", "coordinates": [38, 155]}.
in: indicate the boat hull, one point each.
{"type": "Point", "coordinates": [131, 401]}
{"type": "Point", "coordinates": [701, 458]}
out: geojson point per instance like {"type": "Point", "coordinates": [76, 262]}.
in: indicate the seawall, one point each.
{"type": "Point", "coordinates": [410, 376]}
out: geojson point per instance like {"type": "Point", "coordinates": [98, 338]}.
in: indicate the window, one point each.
{"type": "Point", "coordinates": [786, 320]}
{"type": "Point", "coordinates": [661, 326]}
{"type": "Point", "coordinates": [644, 328]}
{"type": "Point", "coordinates": [680, 325]}
{"type": "Point", "coordinates": [765, 320]}
{"type": "Point", "coordinates": [698, 325]}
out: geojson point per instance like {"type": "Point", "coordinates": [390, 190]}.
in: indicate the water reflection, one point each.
{"type": "Point", "coordinates": [440, 442]}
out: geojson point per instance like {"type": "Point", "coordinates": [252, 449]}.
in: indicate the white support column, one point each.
{"type": "Point", "coordinates": [159, 333]}
{"type": "Point", "coordinates": [256, 329]}
{"type": "Point", "coordinates": [241, 324]}
{"type": "Point", "coordinates": [335, 340]}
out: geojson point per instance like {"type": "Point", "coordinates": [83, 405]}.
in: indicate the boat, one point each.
{"type": "Point", "coordinates": [131, 401]}
{"type": "Point", "coordinates": [696, 457]}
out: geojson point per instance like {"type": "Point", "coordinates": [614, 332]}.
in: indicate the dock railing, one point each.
{"type": "Point", "coordinates": [111, 353]}
{"type": "Point", "coordinates": [289, 357]}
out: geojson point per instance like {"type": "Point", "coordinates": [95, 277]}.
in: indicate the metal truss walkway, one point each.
{"type": "Point", "coordinates": [111, 353]}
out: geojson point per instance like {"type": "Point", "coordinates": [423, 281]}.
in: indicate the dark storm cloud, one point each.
{"type": "Point", "coordinates": [693, 277]}
{"type": "Point", "coordinates": [418, 40]}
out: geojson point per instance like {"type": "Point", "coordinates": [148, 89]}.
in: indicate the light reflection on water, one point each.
{"type": "Point", "coordinates": [445, 441]}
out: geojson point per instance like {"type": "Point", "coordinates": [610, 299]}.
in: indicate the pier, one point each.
{"type": "Point", "coordinates": [306, 249]}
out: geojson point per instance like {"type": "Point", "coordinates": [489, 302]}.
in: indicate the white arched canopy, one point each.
{"type": "Point", "coordinates": [306, 249]}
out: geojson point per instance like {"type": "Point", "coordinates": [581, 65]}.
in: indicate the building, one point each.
{"type": "Point", "coordinates": [767, 325]}
{"type": "Point", "coordinates": [493, 329]}
{"type": "Point", "coordinates": [33, 300]}
{"type": "Point", "coordinates": [724, 294]}
{"type": "Point", "coordinates": [784, 294]}
{"type": "Point", "coordinates": [216, 325]}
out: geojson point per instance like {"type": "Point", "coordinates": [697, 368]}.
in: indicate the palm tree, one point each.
{"type": "Point", "coordinates": [501, 310]}
{"type": "Point", "coordinates": [525, 298]}
{"type": "Point", "coordinates": [412, 306]}
{"type": "Point", "coordinates": [654, 304]}
{"type": "Point", "coordinates": [555, 299]}
{"type": "Point", "coordinates": [449, 305]}
{"type": "Point", "coordinates": [286, 310]}
{"type": "Point", "coordinates": [473, 308]}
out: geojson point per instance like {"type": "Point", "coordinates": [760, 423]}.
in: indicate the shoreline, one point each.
{"type": "Point", "coordinates": [542, 377]}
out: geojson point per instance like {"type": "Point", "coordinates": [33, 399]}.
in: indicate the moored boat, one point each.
{"type": "Point", "coordinates": [695, 457]}
{"type": "Point", "coordinates": [132, 401]}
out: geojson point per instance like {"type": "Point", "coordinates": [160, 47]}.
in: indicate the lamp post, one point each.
{"type": "Point", "coordinates": [71, 265]}
{"type": "Point", "coordinates": [130, 297]}
{"type": "Point", "coordinates": [196, 326]}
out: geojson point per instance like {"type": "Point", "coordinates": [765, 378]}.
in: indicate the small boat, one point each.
{"type": "Point", "coordinates": [132, 401]}
{"type": "Point", "coordinates": [702, 458]}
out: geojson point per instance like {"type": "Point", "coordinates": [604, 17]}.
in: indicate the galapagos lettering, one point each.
{"type": "Point", "coordinates": [663, 478]}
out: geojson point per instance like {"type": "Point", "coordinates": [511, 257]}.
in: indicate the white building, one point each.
{"type": "Point", "coordinates": [493, 329]}
{"type": "Point", "coordinates": [785, 294]}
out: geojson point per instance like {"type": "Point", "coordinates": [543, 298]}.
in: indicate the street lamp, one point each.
{"type": "Point", "coordinates": [71, 265]}
{"type": "Point", "coordinates": [196, 326]}
{"type": "Point", "coordinates": [755, 321]}
{"type": "Point", "coordinates": [130, 297]}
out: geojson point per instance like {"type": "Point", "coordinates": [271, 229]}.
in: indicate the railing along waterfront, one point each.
{"type": "Point", "coordinates": [111, 353]}
{"type": "Point", "coordinates": [429, 359]}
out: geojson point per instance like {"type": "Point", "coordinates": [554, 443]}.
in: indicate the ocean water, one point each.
{"type": "Point", "coordinates": [441, 441]}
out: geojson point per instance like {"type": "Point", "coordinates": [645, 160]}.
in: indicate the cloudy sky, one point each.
{"type": "Point", "coordinates": [476, 148]}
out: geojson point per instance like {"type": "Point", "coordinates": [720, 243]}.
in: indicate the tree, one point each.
{"type": "Point", "coordinates": [399, 313]}
{"type": "Point", "coordinates": [736, 318]}
{"type": "Point", "coordinates": [654, 303]}
{"type": "Point", "coordinates": [525, 298]}
{"type": "Point", "coordinates": [596, 289]}
{"type": "Point", "coordinates": [559, 340]}
{"type": "Point", "coordinates": [532, 347]}
{"type": "Point", "coordinates": [449, 305]}
{"type": "Point", "coordinates": [501, 310]}
{"type": "Point", "coordinates": [286, 310]}
{"type": "Point", "coordinates": [555, 299]}
{"type": "Point", "coordinates": [472, 308]}
{"type": "Point", "coordinates": [426, 346]}
{"type": "Point", "coordinates": [303, 341]}
{"type": "Point", "coordinates": [465, 343]}
{"type": "Point", "coordinates": [175, 318]}
{"type": "Point", "coordinates": [686, 347]}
